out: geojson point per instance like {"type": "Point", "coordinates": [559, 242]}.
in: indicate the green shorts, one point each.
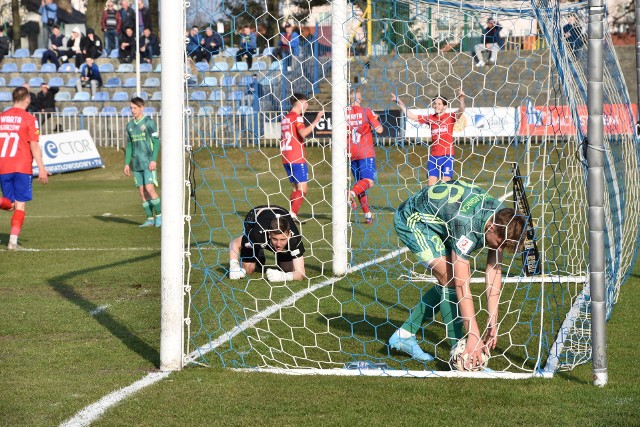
{"type": "Point", "coordinates": [417, 231]}
{"type": "Point", "coordinates": [144, 177]}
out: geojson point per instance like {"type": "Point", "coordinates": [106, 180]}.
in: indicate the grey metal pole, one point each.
{"type": "Point", "coordinates": [595, 191]}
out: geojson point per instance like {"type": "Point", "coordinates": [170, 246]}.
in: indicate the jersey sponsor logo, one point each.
{"type": "Point", "coordinates": [295, 252]}
{"type": "Point", "coordinates": [464, 244]}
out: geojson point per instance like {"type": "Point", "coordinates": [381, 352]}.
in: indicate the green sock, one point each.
{"type": "Point", "coordinates": [424, 311]}
{"type": "Point", "coordinates": [147, 209]}
{"type": "Point", "coordinates": [450, 317]}
{"type": "Point", "coordinates": [155, 204]}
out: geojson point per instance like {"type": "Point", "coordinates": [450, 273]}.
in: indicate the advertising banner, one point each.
{"type": "Point", "coordinates": [68, 151]}
{"type": "Point", "coordinates": [475, 122]}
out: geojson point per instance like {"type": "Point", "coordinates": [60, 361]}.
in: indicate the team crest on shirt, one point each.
{"type": "Point", "coordinates": [143, 128]}
{"type": "Point", "coordinates": [464, 244]}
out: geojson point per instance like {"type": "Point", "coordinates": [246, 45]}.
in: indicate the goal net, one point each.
{"type": "Point", "coordinates": [525, 106]}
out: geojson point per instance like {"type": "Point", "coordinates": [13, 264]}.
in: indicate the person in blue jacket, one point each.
{"type": "Point", "coordinates": [248, 45]}
{"type": "Point", "coordinates": [289, 44]}
{"type": "Point", "coordinates": [491, 41]}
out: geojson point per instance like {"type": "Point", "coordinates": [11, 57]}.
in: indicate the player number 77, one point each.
{"type": "Point", "coordinates": [6, 141]}
{"type": "Point", "coordinates": [530, 255]}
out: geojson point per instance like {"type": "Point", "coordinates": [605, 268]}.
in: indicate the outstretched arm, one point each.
{"type": "Point", "coordinates": [461, 109]}
{"type": "Point", "coordinates": [298, 273]}
{"type": "Point", "coordinates": [307, 131]}
{"type": "Point", "coordinates": [493, 285]}
{"type": "Point", "coordinates": [410, 114]}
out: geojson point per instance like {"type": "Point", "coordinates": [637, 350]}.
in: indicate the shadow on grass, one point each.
{"type": "Point", "coordinates": [114, 326]}
{"type": "Point", "coordinates": [115, 219]}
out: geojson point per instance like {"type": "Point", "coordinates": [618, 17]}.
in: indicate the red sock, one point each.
{"type": "Point", "coordinates": [361, 186]}
{"type": "Point", "coordinates": [5, 204]}
{"type": "Point", "coordinates": [17, 219]}
{"type": "Point", "coordinates": [297, 197]}
{"type": "Point", "coordinates": [364, 202]}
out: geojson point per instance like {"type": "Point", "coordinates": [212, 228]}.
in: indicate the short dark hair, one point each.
{"type": "Point", "coordinates": [136, 100]}
{"type": "Point", "coordinates": [510, 228]}
{"type": "Point", "coordinates": [280, 225]}
{"type": "Point", "coordinates": [20, 94]}
{"type": "Point", "coordinates": [55, 26]}
{"type": "Point", "coordinates": [297, 97]}
{"type": "Point", "coordinates": [444, 100]}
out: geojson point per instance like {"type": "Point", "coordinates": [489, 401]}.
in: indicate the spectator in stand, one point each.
{"type": "Point", "coordinates": [127, 16]}
{"type": "Point", "coordinates": [149, 46]}
{"type": "Point", "coordinates": [211, 44]}
{"type": "Point", "coordinates": [127, 46]}
{"type": "Point", "coordinates": [76, 45]}
{"type": "Point", "coordinates": [492, 41]}
{"type": "Point", "coordinates": [49, 12]}
{"type": "Point", "coordinates": [5, 44]}
{"type": "Point", "coordinates": [193, 45]}
{"type": "Point", "coordinates": [573, 34]}
{"type": "Point", "coordinates": [46, 101]}
{"type": "Point", "coordinates": [93, 47]}
{"type": "Point", "coordinates": [144, 17]}
{"type": "Point", "coordinates": [55, 51]}
{"type": "Point", "coordinates": [111, 23]}
{"type": "Point", "coordinates": [289, 44]}
{"type": "Point", "coordinates": [254, 93]}
{"type": "Point", "coordinates": [248, 45]}
{"type": "Point", "coordinates": [33, 105]}
{"type": "Point", "coordinates": [89, 76]}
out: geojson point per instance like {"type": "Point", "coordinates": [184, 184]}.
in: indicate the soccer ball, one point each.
{"type": "Point", "coordinates": [456, 362]}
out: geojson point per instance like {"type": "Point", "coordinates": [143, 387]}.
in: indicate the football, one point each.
{"type": "Point", "coordinates": [456, 362]}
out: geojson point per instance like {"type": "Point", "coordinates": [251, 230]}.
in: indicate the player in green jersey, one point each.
{"type": "Point", "coordinates": [143, 146]}
{"type": "Point", "coordinates": [442, 225]}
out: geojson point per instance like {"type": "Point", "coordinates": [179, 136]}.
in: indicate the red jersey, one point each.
{"type": "Point", "coordinates": [441, 132]}
{"type": "Point", "coordinates": [17, 130]}
{"type": "Point", "coordinates": [292, 143]}
{"type": "Point", "coordinates": [360, 124]}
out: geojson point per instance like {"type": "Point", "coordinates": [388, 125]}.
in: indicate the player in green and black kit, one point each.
{"type": "Point", "coordinates": [143, 146]}
{"type": "Point", "coordinates": [442, 225]}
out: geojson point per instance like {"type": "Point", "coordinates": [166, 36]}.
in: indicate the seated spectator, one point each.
{"type": "Point", "coordinates": [248, 45]}
{"type": "Point", "coordinates": [492, 41]}
{"type": "Point", "coordinates": [89, 76]}
{"type": "Point", "coordinates": [93, 47]}
{"type": "Point", "coordinates": [111, 23]}
{"type": "Point", "coordinates": [76, 45]}
{"type": "Point", "coordinates": [5, 44]}
{"type": "Point", "coordinates": [55, 51]}
{"type": "Point", "coordinates": [127, 53]}
{"type": "Point", "coordinates": [211, 44]}
{"type": "Point", "coordinates": [573, 34]}
{"type": "Point", "coordinates": [193, 45]}
{"type": "Point", "coordinates": [289, 44]}
{"type": "Point", "coordinates": [46, 101]}
{"type": "Point", "coordinates": [149, 46]}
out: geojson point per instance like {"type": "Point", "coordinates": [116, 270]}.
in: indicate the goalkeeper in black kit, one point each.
{"type": "Point", "coordinates": [273, 229]}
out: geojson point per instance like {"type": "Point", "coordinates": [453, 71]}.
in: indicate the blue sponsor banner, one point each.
{"type": "Point", "coordinates": [68, 152]}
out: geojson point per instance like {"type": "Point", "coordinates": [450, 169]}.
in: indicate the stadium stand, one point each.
{"type": "Point", "coordinates": [126, 111]}
{"type": "Point", "coordinates": [151, 82]}
{"type": "Point", "coordinates": [209, 81]}
{"type": "Point", "coordinates": [144, 95]}
{"type": "Point", "coordinates": [16, 82]}
{"type": "Point", "coordinates": [125, 68]}
{"type": "Point", "coordinates": [231, 51]}
{"type": "Point", "coordinates": [5, 96]}
{"type": "Point", "coordinates": [56, 82]}
{"type": "Point", "coordinates": [224, 111]}
{"type": "Point", "coordinates": [146, 68]}
{"type": "Point", "coordinates": [220, 66]}
{"type": "Point", "coordinates": [9, 67]}
{"type": "Point", "coordinates": [67, 68]}
{"type": "Point", "coordinates": [81, 96]}
{"type": "Point", "coordinates": [29, 67]}
{"type": "Point", "coordinates": [130, 82]}
{"type": "Point", "coordinates": [207, 110]}
{"type": "Point", "coordinates": [114, 54]}
{"type": "Point", "coordinates": [70, 111]}
{"type": "Point", "coordinates": [38, 53]}
{"type": "Point", "coordinates": [21, 53]}
{"type": "Point", "coordinates": [246, 80]}
{"type": "Point", "coordinates": [35, 82]}
{"type": "Point", "coordinates": [239, 66]}
{"type": "Point", "coordinates": [101, 96]}
{"type": "Point", "coordinates": [259, 66]}
{"type": "Point", "coordinates": [120, 97]}
{"type": "Point", "coordinates": [3, 82]}
{"type": "Point", "coordinates": [90, 111]}
{"type": "Point", "coordinates": [109, 111]}
{"type": "Point", "coordinates": [236, 95]}
{"type": "Point", "coordinates": [107, 67]}
{"type": "Point", "coordinates": [268, 51]}
{"type": "Point", "coordinates": [202, 67]}
{"type": "Point", "coordinates": [198, 95]}
{"type": "Point", "coordinates": [245, 110]}
{"type": "Point", "coordinates": [217, 95]}
{"type": "Point", "coordinates": [72, 82]}
{"type": "Point", "coordinates": [158, 68]}
{"type": "Point", "coordinates": [228, 81]}
{"type": "Point", "coordinates": [149, 110]}
{"type": "Point", "coordinates": [62, 96]}
{"type": "Point", "coordinates": [157, 96]}
{"type": "Point", "coordinates": [113, 82]}
{"type": "Point", "coordinates": [48, 68]}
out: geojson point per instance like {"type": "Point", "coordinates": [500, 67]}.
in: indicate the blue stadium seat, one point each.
{"type": "Point", "coordinates": [203, 67]}
{"type": "Point", "coordinates": [35, 82]}
{"type": "Point", "coordinates": [3, 82]}
{"type": "Point", "coordinates": [220, 66]}
{"type": "Point", "coordinates": [90, 111]}
{"type": "Point", "coordinates": [16, 82]}
{"type": "Point", "coordinates": [70, 111]}
{"type": "Point", "coordinates": [224, 111]}
{"type": "Point", "coordinates": [82, 96]}
{"type": "Point", "coordinates": [107, 67]}
{"type": "Point", "coordinates": [29, 67]}
{"type": "Point", "coordinates": [145, 68]}
{"type": "Point", "coordinates": [157, 96]}
{"type": "Point", "coordinates": [5, 96]}
{"type": "Point", "coordinates": [72, 82]}
{"type": "Point", "coordinates": [228, 81]}
{"type": "Point", "coordinates": [48, 68]}
{"type": "Point", "coordinates": [151, 82]}
{"type": "Point", "coordinates": [109, 111]}
{"type": "Point", "coordinates": [120, 97]}
{"type": "Point", "coordinates": [158, 68]}
{"type": "Point", "coordinates": [144, 95]}
{"type": "Point", "coordinates": [217, 95]}
{"type": "Point", "coordinates": [67, 68]}
{"type": "Point", "coordinates": [130, 82]}
{"type": "Point", "coordinates": [245, 110]}
{"type": "Point", "coordinates": [21, 53]}
{"type": "Point", "coordinates": [114, 54]}
{"type": "Point", "coordinates": [125, 68]}
{"type": "Point", "coordinates": [9, 67]}
{"type": "Point", "coordinates": [231, 51]}
{"type": "Point", "coordinates": [239, 66]}
{"type": "Point", "coordinates": [113, 82]}
{"type": "Point", "coordinates": [126, 111]}
{"type": "Point", "coordinates": [276, 65]}
{"type": "Point", "coordinates": [246, 80]}
{"type": "Point", "coordinates": [259, 66]}
{"type": "Point", "coordinates": [207, 110]}
{"type": "Point", "coordinates": [209, 81]}
{"type": "Point", "coordinates": [38, 53]}
{"type": "Point", "coordinates": [268, 51]}
{"type": "Point", "coordinates": [56, 82]}
{"type": "Point", "coordinates": [236, 95]}
{"type": "Point", "coordinates": [63, 96]}
{"type": "Point", "coordinates": [198, 95]}
{"type": "Point", "coordinates": [149, 110]}
{"type": "Point", "coordinates": [101, 96]}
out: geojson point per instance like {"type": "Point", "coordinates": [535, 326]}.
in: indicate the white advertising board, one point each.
{"type": "Point", "coordinates": [68, 151]}
{"type": "Point", "coordinates": [485, 122]}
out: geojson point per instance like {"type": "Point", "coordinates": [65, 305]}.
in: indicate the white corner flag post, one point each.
{"type": "Point", "coordinates": [172, 137]}
{"type": "Point", "coordinates": [339, 89]}
{"type": "Point", "coordinates": [595, 192]}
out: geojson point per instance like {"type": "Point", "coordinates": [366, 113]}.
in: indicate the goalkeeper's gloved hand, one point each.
{"type": "Point", "coordinates": [274, 275]}
{"type": "Point", "coordinates": [235, 272]}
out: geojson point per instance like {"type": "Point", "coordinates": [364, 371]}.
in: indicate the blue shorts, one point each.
{"type": "Point", "coordinates": [17, 186]}
{"type": "Point", "coordinates": [364, 168]}
{"type": "Point", "coordinates": [297, 172]}
{"type": "Point", "coordinates": [440, 166]}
